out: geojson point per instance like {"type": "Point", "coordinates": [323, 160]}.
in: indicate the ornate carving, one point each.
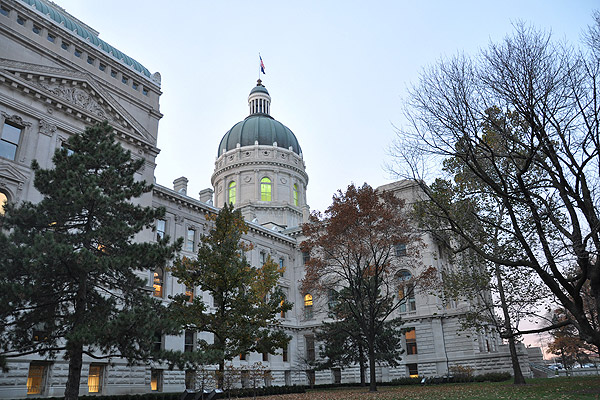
{"type": "Point", "coordinates": [247, 179]}
{"type": "Point", "coordinates": [178, 219]}
{"type": "Point", "coordinates": [77, 97]}
{"type": "Point", "coordinates": [15, 119]}
{"type": "Point", "coordinates": [283, 180]}
{"type": "Point", "coordinates": [47, 128]}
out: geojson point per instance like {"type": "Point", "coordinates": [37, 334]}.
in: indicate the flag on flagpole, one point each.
{"type": "Point", "coordinates": [262, 66]}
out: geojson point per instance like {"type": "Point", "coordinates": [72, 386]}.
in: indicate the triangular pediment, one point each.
{"type": "Point", "coordinates": [11, 173]}
{"type": "Point", "coordinates": [74, 92]}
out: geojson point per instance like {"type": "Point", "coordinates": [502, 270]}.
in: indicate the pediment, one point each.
{"type": "Point", "coordinates": [74, 92]}
{"type": "Point", "coordinates": [9, 172]}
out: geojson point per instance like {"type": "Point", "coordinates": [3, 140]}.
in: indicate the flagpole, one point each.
{"type": "Point", "coordinates": [259, 66]}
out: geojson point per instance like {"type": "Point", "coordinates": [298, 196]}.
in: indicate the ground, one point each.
{"type": "Point", "coordinates": [580, 388]}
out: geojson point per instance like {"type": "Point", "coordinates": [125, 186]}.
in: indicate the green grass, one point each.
{"type": "Point", "coordinates": [579, 388]}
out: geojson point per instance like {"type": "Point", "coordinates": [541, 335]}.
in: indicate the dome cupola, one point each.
{"type": "Point", "coordinates": [259, 100]}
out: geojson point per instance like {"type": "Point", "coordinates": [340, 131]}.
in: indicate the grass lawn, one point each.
{"type": "Point", "coordinates": [579, 388]}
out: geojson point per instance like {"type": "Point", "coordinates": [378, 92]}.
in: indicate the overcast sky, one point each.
{"type": "Point", "coordinates": [337, 71]}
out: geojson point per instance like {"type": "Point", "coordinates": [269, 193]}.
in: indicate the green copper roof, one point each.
{"type": "Point", "coordinates": [64, 18]}
{"type": "Point", "coordinates": [259, 88]}
{"type": "Point", "coordinates": [259, 128]}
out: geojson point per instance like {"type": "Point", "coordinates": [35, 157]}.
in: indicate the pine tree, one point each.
{"type": "Point", "coordinates": [70, 275]}
{"type": "Point", "coordinates": [246, 300]}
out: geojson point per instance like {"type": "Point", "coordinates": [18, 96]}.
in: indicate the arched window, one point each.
{"type": "Point", "coordinates": [232, 193]}
{"type": "Point", "coordinates": [3, 201]}
{"type": "Point", "coordinates": [158, 280]}
{"type": "Point", "coordinates": [295, 195]}
{"type": "Point", "coordinates": [406, 291]}
{"type": "Point", "coordinates": [265, 189]}
{"type": "Point", "coordinates": [308, 306]}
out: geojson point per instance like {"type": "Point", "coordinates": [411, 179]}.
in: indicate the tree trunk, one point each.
{"type": "Point", "coordinates": [372, 376]}
{"type": "Point", "coordinates": [74, 352]}
{"type": "Point", "coordinates": [221, 375]}
{"type": "Point", "coordinates": [361, 363]}
{"type": "Point", "coordinates": [519, 379]}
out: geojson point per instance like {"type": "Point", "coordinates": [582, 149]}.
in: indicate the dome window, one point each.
{"type": "Point", "coordinates": [265, 189]}
{"type": "Point", "coordinates": [295, 195]}
{"type": "Point", "coordinates": [231, 193]}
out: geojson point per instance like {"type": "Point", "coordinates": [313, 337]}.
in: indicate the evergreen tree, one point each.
{"type": "Point", "coordinates": [246, 300]}
{"type": "Point", "coordinates": [70, 280]}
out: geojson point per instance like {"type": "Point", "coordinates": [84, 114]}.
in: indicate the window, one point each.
{"type": "Point", "coordinates": [156, 377]}
{"type": "Point", "coordinates": [64, 45]}
{"type": "Point", "coordinates": [35, 378]}
{"type": "Point", "coordinates": [161, 226]}
{"type": "Point", "coordinates": [39, 333]}
{"type": "Point", "coordinates": [134, 85]}
{"type": "Point", "coordinates": [400, 249]}
{"type": "Point", "coordinates": [305, 257]}
{"type": "Point", "coordinates": [284, 353]}
{"type": "Point", "coordinates": [102, 67]}
{"type": "Point", "coordinates": [145, 91]}
{"type": "Point", "coordinates": [189, 292]}
{"type": "Point", "coordinates": [124, 80]}
{"type": "Point", "coordinates": [51, 38]}
{"type": "Point", "coordinates": [190, 379]}
{"type": "Point", "coordinates": [282, 313]}
{"type": "Point", "coordinates": [244, 357]}
{"type": "Point", "coordinates": [95, 378]}
{"type": "Point", "coordinates": [337, 375]}
{"type": "Point", "coordinates": [308, 306]}
{"type": "Point", "coordinates": [158, 279]}
{"type": "Point", "coordinates": [77, 53]}
{"type": "Point", "coordinates": [189, 341]}
{"type": "Point", "coordinates": [158, 342]}
{"type": "Point", "coordinates": [4, 11]}
{"type": "Point", "coordinates": [20, 20]}
{"type": "Point", "coordinates": [281, 267]}
{"type": "Point", "coordinates": [3, 201]}
{"type": "Point", "coordinates": [36, 29]}
{"type": "Point", "coordinates": [189, 239]}
{"type": "Point", "coordinates": [9, 142]}
{"type": "Point", "coordinates": [287, 377]}
{"type": "Point", "coordinates": [263, 258]}
{"type": "Point", "coordinates": [265, 356]}
{"type": "Point", "coordinates": [411, 341]}
{"type": "Point", "coordinates": [295, 195]}
{"type": "Point", "coordinates": [113, 73]}
{"type": "Point", "coordinates": [332, 299]}
{"type": "Point", "coordinates": [245, 378]}
{"type": "Point", "coordinates": [265, 189]}
{"type": "Point", "coordinates": [406, 292]}
{"type": "Point", "coordinates": [90, 60]}
{"type": "Point", "coordinates": [231, 193]}
{"type": "Point", "coordinates": [310, 347]}
{"type": "Point", "coordinates": [413, 370]}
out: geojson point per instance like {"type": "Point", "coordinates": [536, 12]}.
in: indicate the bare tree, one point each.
{"type": "Point", "coordinates": [545, 177]}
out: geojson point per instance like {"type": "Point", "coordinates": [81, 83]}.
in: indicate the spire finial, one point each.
{"type": "Point", "coordinates": [259, 82]}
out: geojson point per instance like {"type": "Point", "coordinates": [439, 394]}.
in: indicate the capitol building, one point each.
{"type": "Point", "coordinates": [57, 77]}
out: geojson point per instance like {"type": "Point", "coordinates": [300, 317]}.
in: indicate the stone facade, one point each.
{"type": "Point", "coordinates": [55, 82]}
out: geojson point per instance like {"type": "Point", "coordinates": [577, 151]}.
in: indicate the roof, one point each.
{"type": "Point", "coordinates": [60, 16]}
{"type": "Point", "coordinates": [260, 128]}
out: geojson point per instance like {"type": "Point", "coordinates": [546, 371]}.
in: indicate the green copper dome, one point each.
{"type": "Point", "coordinates": [259, 128]}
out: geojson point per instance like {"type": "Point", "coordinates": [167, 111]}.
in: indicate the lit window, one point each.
{"type": "Point", "coordinates": [308, 306]}
{"type": "Point", "coordinates": [156, 380]}
{"type": "Point", "coordinates": [158, 282]}
{"type": "Point", "coordinates": [282, 314]}
{"type": "Point", "coordinates": [295, 195]}
{"type": "Point", "coordinates": [406, 292]}
{"type": "Point", "coordinates": [95, 378]}
{"type": "Point", "coordinates": [400, 249]}
{"type": "Point", "coordinates": [161, 225]}
{"type": "Point", "coordinates": [189, 292]}
{"type": "Point", "coordinates": [9, 141]}
{"type": "Point", "coordinates": [265, 189]}
{"type": "Point", "coordinates": [51, 38]}
{"type": "Point", "coordinates": [231, 193]}
{"type": "Point", "coordinates": [3, 201]}
{"type": "Point", "coordinates": [413, 370]}
{"type": "Point", "coordinates": [189, 339]}
{"type": "Point", "coordinates": [35, 378]}
{"type": "Point", "coordinates": [36, 29]}
{"type": "Point", "coordinates": [411, 341]}
{"type": "Point", "coordinates": [189, 239]}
